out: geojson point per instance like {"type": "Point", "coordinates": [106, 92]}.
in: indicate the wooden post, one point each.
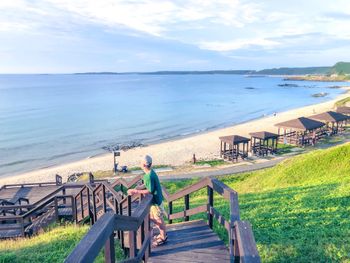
{"type": "Point", "coordinates": [170, 211]}
{"type": "Point", "coordinates": [56, 209]}
{"type": "Point", "coordinates": [132, 244]}
{"type": "Point", "coordinates": [187, 206]}
{"type": "Point", "coordinates": [92, 219]}
{"type": "Point", "coordinates": [109, 250]}
{"type": "Point", "coordinates": [121, 232]}
{"type": "Point", "coordinates": [104, 199]}
{"type": "Point", "coordinates": [64, 193]}
{"type": "Point", "coordinates": [94, 210]}
{"type": "Point", "coordinates": [210, 204]}
{"type": "Point", "coordinates": [129, 205]}
{"type": "Point", "coordinates": [74, 210]}
{"type": "Point", "coordinates": [146, 234]}
{"type": "Point", "coordinates": [81, 205]}
{"type": "Point", "coordinates": [22, 227]}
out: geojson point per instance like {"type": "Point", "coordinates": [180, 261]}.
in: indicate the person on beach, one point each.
{"type": "Point", "coordinates": [152, 186]}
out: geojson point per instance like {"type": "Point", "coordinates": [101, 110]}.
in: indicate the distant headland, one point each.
{"type": "Point", "coordinates": [339, 72]}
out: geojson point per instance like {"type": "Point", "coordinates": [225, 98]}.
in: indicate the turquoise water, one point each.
{"type": "Point", "coordinates": [51, 119]}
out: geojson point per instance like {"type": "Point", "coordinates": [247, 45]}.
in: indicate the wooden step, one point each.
{"type": "Point", "coordinates": [191, 241]}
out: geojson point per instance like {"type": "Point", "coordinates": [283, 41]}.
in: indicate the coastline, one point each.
{"type": "Point", "coordinates": [175, 152]}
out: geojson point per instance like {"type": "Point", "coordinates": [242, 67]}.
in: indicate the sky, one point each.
{"type": "Point", "coordinates": [66, 36]}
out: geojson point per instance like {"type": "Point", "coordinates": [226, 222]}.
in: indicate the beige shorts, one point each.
{"type": "Point", "coordinates": [157, 211]}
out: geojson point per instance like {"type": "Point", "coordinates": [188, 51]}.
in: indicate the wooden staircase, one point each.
{"type": "Point", "coordinates": [23, 218]}
{"type": "Point", "coordinates": [126, 219]}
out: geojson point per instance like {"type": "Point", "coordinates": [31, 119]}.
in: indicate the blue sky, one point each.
{"type": "Point", "coordinates": [63, 36]}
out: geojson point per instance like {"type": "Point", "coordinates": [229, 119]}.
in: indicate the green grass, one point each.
{"type": "Point", "coordinates": [215, 162]}
{"type": "Point", "coordinates": [299, 209]}
{"type": "Point", "coordinates": [284, 148]}
{"type": "Point", "coordinates": [54, 245]}
{"type": "Point", "coordinates": [342, 102]}
{"type": "Point", "coordinates": [51, 246]}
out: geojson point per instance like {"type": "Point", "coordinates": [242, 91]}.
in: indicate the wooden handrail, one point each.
{"type": "Point", "coordinates": [127, 184]}
{"type": "Point", "coordinates": [244, 239]}
{"type": "Point", "coordinates": [245, 247]}
{"type": "Point", "coordinates": [101, 234]}
{"type": "Point", "coordinates": [242, 245]}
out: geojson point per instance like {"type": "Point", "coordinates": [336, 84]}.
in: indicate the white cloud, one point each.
{"type": "Point", "coordinates": [239, 44]}
{"type": "Point", "coordinates": [157, 17]}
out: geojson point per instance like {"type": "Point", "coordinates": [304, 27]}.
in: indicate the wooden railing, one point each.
{"type": "Point", "coordinates": [242, 244]}
{"type": "Point", "coordinates": [55, 200]}
{"type": "Point", "coordinates": [58, 181]}
{"type": "Point", "coordinates": [102, 234]}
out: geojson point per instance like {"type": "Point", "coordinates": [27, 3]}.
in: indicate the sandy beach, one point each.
{"type": "Point", "coordinates": [176, 152]}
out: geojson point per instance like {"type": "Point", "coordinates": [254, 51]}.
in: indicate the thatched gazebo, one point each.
{"type": "Point", "coordinates": [263, 143]}
{"type": "Point", "coordinates": [234, 146]}
{"type": "Point", "coordinates": [344, 110]}
{"type": "Point", "coordinates": [301, 131]}
{"type": "Point", "coordinates": [334, 121]}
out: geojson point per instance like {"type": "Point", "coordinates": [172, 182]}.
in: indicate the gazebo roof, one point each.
{"type": "Point", "coordinates": [264, 135]}
{"type": "Point", "coordinates": [301, 124]}
{"type": "Point", "coordinates": [234, 139]}
{"type": "Point", "coordinates": [330, 116]}
{"type": "Point", "coordinates": [343, 110]}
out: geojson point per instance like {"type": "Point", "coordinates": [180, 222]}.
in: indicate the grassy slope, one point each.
{"type": "Point", "coordinates": [52, 246]}
{"type": "Point", "coordinates": [341, 68]}
{"type": "Point", "coordinates": [299, 209]}
{"type": "Point", "coordinates": [343, 102]}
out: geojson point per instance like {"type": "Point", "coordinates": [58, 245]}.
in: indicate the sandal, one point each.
{"type": "Point", "coordinates": [159, 241]}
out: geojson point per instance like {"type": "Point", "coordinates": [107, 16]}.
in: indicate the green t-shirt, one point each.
{"type": "Point", "coordinates": [152, 184]}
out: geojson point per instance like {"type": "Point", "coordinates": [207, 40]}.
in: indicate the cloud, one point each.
{"type": "Point", "coordinates": [239, 44]}
{"type": "Point", "coordinates": [158, 17]}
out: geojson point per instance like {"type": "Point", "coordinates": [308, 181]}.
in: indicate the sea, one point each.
{"type": "Point", "coordinates": [47, 120]}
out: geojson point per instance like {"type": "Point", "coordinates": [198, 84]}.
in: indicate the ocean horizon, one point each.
{"type": "Point", "coordinates": [50, 119]}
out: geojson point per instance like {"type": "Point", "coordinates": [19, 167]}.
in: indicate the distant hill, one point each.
{"type": "Point", "coordinates": [339, 68]}
{"type": "Point", "coordinates": [295, 71]}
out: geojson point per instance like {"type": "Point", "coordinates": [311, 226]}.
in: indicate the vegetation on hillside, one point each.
{"type": "Point", "coordinates": [54, 245]}
{"type": "Point", "coordinates": [299, 209]}
{"type": "Point", "coordinates": [343, 102]}
{"type": "Point", "coordinates": [51, 246]}
{"type": "Point", "coordinates": [341, 68]}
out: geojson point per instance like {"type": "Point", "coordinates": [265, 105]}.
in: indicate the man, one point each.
{"type": "Point", "coordinates": [152, 186]}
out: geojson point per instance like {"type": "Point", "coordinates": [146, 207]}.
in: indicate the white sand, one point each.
{"type": "Point", "coordinates": [176, 152]}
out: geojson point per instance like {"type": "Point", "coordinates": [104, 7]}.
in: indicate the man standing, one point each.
{"type": "Point", "coordinates": [152, 186]}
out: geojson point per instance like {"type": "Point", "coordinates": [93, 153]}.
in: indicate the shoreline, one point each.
{"type": "Point", "coordinates": [174, 151]}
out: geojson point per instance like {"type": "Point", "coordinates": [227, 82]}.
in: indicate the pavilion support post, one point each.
{"type": "Point", "coordinates": [220, 148]}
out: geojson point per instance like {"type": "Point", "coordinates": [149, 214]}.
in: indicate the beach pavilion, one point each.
{"type": "Point", "coordinates": [301, 131]}
{"type": "Point", "coordinates": [233, 147]}
{"type": "Point", "coordinates": [263, 143]}
{"type": "Point", "coordinates": [343, 110]}
{"type": "Point", "coordinates": [334, 121]}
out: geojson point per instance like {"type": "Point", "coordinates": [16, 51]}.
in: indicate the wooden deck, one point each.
{"type": "Point", "coordinates": [33, 193]}
{"type": "Point", "coordinates": [191, 241]}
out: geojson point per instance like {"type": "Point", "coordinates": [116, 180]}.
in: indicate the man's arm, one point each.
{"type": "Point", "coordinates": [138, 191]}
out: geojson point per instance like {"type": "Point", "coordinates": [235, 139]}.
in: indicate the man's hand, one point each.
{"type": "Point", "coordinates": [132, 191]}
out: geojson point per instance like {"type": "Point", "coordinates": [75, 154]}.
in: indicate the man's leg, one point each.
{"type": "Point", "coordinates": [161, 225]}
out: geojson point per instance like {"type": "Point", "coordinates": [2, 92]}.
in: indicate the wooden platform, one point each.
{"type": "Point", "coordinates": [33, 193]}
{"type": "Point", "coordinates": [191, 241]}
